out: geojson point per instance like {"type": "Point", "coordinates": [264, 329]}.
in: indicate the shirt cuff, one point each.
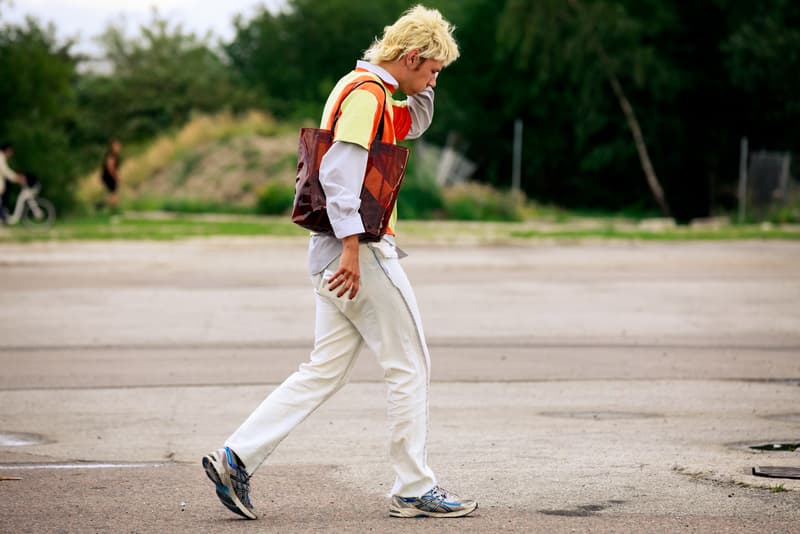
{"type": "Point", "coordinates": [348, 226]}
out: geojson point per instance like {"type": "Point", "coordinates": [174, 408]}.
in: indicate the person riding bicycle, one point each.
{"type": "Point", "coordinates": [7, 174]}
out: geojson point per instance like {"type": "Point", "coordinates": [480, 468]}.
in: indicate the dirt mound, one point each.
{"type": "Point", "coordinates": [213, 161]}
{"type": "Point", "coordinates": [229, 170]}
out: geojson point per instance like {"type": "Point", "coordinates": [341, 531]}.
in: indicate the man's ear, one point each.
{"type": "Point", "coordinates": [412, 57]}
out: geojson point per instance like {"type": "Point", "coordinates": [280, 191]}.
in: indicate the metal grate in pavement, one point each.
{"type": "Point", "coordinates": [777, 472]}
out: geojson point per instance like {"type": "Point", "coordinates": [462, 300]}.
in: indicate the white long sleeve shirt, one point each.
{"type": "Point", "coordinates": [342, 173]}
{"type": "Point", "coordinates": [6, 173]}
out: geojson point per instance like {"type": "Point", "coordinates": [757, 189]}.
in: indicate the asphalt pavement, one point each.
{"type": "Point", "coordinates": [596, 386]}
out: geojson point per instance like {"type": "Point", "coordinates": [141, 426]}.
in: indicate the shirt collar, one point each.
{"type": "Point", "coordinates": [382, 73]}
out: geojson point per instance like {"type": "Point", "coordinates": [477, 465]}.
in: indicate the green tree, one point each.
{"type": "Point", "coordinates": [761, 55]}
{"type": "Point", "coordinates": [37, 104]}
{"type": "Point", "coordinates": [595, 44]}
{"type": "Point", "coordinates": [294, 57]}
{"type": "Point", "coordinates": [157, 79]}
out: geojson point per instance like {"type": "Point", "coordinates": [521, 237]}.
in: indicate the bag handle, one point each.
{"type": "Point", "coordinates": [379, 133]}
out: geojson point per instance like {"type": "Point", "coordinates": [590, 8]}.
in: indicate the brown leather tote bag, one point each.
{"type": "Point", "coordinates": [386, 167]}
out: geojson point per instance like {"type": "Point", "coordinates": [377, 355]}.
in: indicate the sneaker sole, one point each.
{"type": "Point", "coordinates": [225, 495]}
{"type": "Point", "coordinates": [409, 513]}
{"type": "Point", "coordinates": [221, 494]}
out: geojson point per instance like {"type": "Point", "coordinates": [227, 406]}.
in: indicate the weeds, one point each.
{"type": "Point", "coordinates": [477, 202]}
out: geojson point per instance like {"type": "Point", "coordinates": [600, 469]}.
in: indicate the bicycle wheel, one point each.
{"type": "Point", "coordinates": [42, 216]}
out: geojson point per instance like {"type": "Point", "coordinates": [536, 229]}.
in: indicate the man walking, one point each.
{"type": "Point", "coordinates": [362, 293]}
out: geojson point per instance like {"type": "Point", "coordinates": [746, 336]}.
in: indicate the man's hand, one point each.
{"type": "Point", "coordinates": [348, 275]}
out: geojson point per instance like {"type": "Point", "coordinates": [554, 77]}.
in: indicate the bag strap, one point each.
{"type": "Point", "coordinates": [379, 133]}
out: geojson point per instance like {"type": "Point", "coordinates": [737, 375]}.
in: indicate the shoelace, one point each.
{"type": "Point", "coordinates": [439, 494]}
{"type": "Point", "coordinates": [241, 484]}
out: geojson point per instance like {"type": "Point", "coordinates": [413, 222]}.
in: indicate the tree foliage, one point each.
{"type": "Point", "coordinates": [38, 104]}
{"type": "Point", "coordinates": [157, 79]}
{"type": "Point", "coordinates": [699, 75]}
{"type": "Point", "coordinates": [295, 56]}
{"type": "Point", "coordinates": [60, 119]}
{"type": "Point", "coordinates": [603, 40]}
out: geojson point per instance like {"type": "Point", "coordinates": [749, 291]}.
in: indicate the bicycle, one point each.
{"type": "Point", "coordinates": [34, 211]}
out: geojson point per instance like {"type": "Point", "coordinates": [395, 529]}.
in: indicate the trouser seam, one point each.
{"type": "Point", "coordinates": [423, 351]}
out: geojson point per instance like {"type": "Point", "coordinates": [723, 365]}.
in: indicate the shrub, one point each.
{"type": "Point", "coordinates": [788, 212]}
{"type": "Point", "coordinates": [477, 202]}
{"type": "Point", "coordinates": [185, 205]}
{"type": "Point", "coordinates": [45, 152]}
{"type": "Point", "coordinates": [420, 197]}
{"type": "Point", "coordinates": [275, 199]}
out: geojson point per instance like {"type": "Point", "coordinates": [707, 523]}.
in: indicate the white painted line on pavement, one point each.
{"type": "Point", "coordinates": [11, 467]}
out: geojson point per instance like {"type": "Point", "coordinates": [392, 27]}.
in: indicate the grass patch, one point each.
{"type": "Point", "coordinates": [176, 219]}
{"type": "Point", "coordinates": [184, 224]}
{"type": "Point", "coordinates": [187, 206]}
{"type": "Point", "coordinates": [155, 228]}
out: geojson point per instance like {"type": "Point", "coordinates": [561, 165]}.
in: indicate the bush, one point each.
{"type": "Point", "coordinates": [185, 205]}
{"type": "Point", "coordinates": [275, 199]}
{"type": "Point", "coordinates": [46, 153]}
{"type": "Point", "coordinates": [788, 212]}
{"type": "Point", "coordinates": [476, 202]}
{"type": "Point", "coordinates": [420, 197]}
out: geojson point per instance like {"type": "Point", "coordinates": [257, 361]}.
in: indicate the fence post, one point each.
{"type": "Point", "coordinates": [742, 178]}
{"type": "Point", "coordinates": [783, 184]}
{"type": "Point", "coordinates": [517, 162]}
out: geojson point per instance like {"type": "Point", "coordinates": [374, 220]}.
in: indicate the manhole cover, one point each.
{"type": "Point", "coordinates": [597, 416]}
{"type": "Point", "coordinates": [776, 447]}
{"type": "Point", "coordinates": [17, 439]}
{"type": "Point", "coordinates": [776, 472]}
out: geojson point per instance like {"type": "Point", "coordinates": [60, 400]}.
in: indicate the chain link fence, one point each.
{"type": "Point", "coordinates": [768, 190]}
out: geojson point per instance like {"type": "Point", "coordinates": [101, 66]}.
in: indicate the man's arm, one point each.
{"type": "Point", "coordinates": [420, 107]}
{"type": "Point", "coordinates": [9, 173]}
{"type": "Point", "coordinates": [341, 176]}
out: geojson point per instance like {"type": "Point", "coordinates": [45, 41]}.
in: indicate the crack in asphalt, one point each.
{"type": "Point", "coordinates": [794, 382]}
{"type": "Point", "coordinates": [441, 343]}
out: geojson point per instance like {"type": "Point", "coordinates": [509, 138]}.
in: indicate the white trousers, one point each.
{"type": "Point", "coordinates": [384, 315]}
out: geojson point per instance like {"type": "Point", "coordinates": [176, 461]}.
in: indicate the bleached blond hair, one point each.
{"type": "Point", "coordinates": [420, 29]}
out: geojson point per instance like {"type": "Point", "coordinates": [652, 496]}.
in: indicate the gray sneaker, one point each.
{"type": "Point", "coordinates": [437, 502]}
{"type": "Point", "coordinates": [231, 480]}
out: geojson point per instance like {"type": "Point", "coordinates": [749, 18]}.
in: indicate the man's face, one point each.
{"type": "Point", "coordinates": [420, 73]}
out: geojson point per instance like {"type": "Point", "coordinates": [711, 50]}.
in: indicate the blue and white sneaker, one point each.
{"type": "Point", "coordinates": [437, 502]}
{"type": "Point", "coordinates": [231, 480]}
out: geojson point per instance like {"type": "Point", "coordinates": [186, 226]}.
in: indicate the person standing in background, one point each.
{"type": "Point", "coordinates": [110, 173]}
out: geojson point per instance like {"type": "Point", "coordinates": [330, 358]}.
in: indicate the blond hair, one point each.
{"type": "Point", "coordinates": [420, 29]}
